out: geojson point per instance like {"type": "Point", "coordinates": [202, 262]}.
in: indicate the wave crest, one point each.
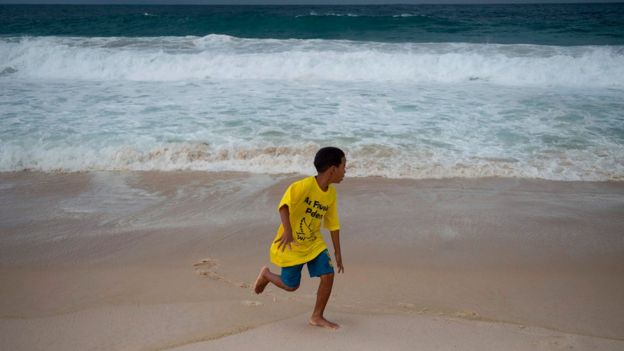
{"type": "Point", "coordinates": [221, 57]}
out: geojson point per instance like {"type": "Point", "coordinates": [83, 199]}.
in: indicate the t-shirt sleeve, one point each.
{"type": "Point", "coordinates": [331, 221]}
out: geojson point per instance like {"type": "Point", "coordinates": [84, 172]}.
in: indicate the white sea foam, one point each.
{"type": "Point", "coordinates": [368, 160]}
{"type": "Point", "coordinates": [329, 14]}
{"type": "Point", "coordinates": [220, 57]}
{"type": "Point", "coordinates": [225, 103]}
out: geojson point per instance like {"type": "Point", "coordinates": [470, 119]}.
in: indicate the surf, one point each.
{"type": "Point", "coordinates": [217, 57]}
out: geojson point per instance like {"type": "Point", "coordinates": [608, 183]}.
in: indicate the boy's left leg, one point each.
{"type": "Point", "coordinates": [322, 267]}
{"type": "Point", "coordinates": [322, 297]}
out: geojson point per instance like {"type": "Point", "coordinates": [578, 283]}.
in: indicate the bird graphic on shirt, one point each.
{"type": "Point", "coordinates": [306, 231]}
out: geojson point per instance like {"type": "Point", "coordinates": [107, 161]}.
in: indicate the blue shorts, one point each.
{"type": "Point", "coordinates": [320, 265]}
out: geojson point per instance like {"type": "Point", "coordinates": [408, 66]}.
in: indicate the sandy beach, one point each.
{"type": "Point", "coordinates": [165, 261]}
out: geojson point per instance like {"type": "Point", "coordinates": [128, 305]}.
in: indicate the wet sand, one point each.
{"type": "Point", "coordinates": [165, 260]}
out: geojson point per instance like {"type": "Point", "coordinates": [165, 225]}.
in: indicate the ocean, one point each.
{"type": "Point", "coordinates": [418, 91]}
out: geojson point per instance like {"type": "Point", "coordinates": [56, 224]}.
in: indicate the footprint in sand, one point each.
{"type": "Point", "coordinates": [207, 268]}
{"type": "Point", "coordinates": [467, 314]}
{"type": "Point", "coordinates": [406, 305]}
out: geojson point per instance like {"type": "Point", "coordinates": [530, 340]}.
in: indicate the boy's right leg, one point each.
{"type": "Point", "coordinates": [265, 277]}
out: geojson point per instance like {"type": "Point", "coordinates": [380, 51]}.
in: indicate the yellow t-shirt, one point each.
{"type": "Point", "coordinates": [308, 206]}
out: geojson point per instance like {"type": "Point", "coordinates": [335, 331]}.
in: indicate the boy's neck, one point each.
{"type": "Point", "coordinates": [323, 181]}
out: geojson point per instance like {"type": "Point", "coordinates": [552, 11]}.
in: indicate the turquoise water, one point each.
{"type": "Point", "coordinates": [568, 24]}
{"type": "Point", "coordinates": [530, 91]}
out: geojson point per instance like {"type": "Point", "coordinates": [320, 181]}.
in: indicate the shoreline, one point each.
{"type": "Point", "coordinates": [172, 256]}
{"type": "Point", "coordinates": [4, 175]}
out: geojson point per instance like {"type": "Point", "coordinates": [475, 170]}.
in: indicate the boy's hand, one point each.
{"type": "Point", "coordinates": [339, 263]}
{"type": "Point", "coordinates": [286, 240]}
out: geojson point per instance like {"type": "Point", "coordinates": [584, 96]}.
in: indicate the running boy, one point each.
{"type": "Point", "coordinates": [305, 204]}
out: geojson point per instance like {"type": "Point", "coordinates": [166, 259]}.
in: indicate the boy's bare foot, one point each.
{"type": "Point", "coordinates": [261, 281]}
{"type": "Point", "coordinates": [322, 322]}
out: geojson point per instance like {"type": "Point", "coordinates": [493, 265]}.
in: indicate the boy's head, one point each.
{"type": "Point", "coordinates": [331, 159]}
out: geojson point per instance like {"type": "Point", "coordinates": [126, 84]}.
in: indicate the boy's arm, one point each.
{"type": "Point", "coordinates": [335, 235]}
{"type": "Point", "coordinates": [287, 238]}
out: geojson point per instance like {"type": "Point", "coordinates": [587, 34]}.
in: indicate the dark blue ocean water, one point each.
{"type": "Point", "coordinates": [548, 24]}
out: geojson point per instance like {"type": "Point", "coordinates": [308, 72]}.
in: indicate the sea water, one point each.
{"type": "Point", "coordinates": [421, 91]}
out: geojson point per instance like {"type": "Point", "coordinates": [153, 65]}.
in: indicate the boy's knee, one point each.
{"type": "Point", "coordinates": [292, 288]}
{"type": "Point", "coordinates": [327, 277]}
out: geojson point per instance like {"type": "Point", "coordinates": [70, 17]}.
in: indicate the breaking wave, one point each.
{"type": "Point", "coordinates": [221, 57]}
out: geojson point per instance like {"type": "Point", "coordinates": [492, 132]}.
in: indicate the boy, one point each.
{"type": "Point", "coordinates": [305, 204]}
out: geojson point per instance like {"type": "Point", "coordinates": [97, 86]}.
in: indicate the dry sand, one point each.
{"type": "Point", "coordinates": [159, 261]}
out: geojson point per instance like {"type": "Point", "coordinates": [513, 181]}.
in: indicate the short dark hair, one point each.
{"type": "Point", "coordinates": [327, 157]}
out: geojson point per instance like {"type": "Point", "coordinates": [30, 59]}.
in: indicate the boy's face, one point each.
{"type": "Point", "coordinates": [339, 172]}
